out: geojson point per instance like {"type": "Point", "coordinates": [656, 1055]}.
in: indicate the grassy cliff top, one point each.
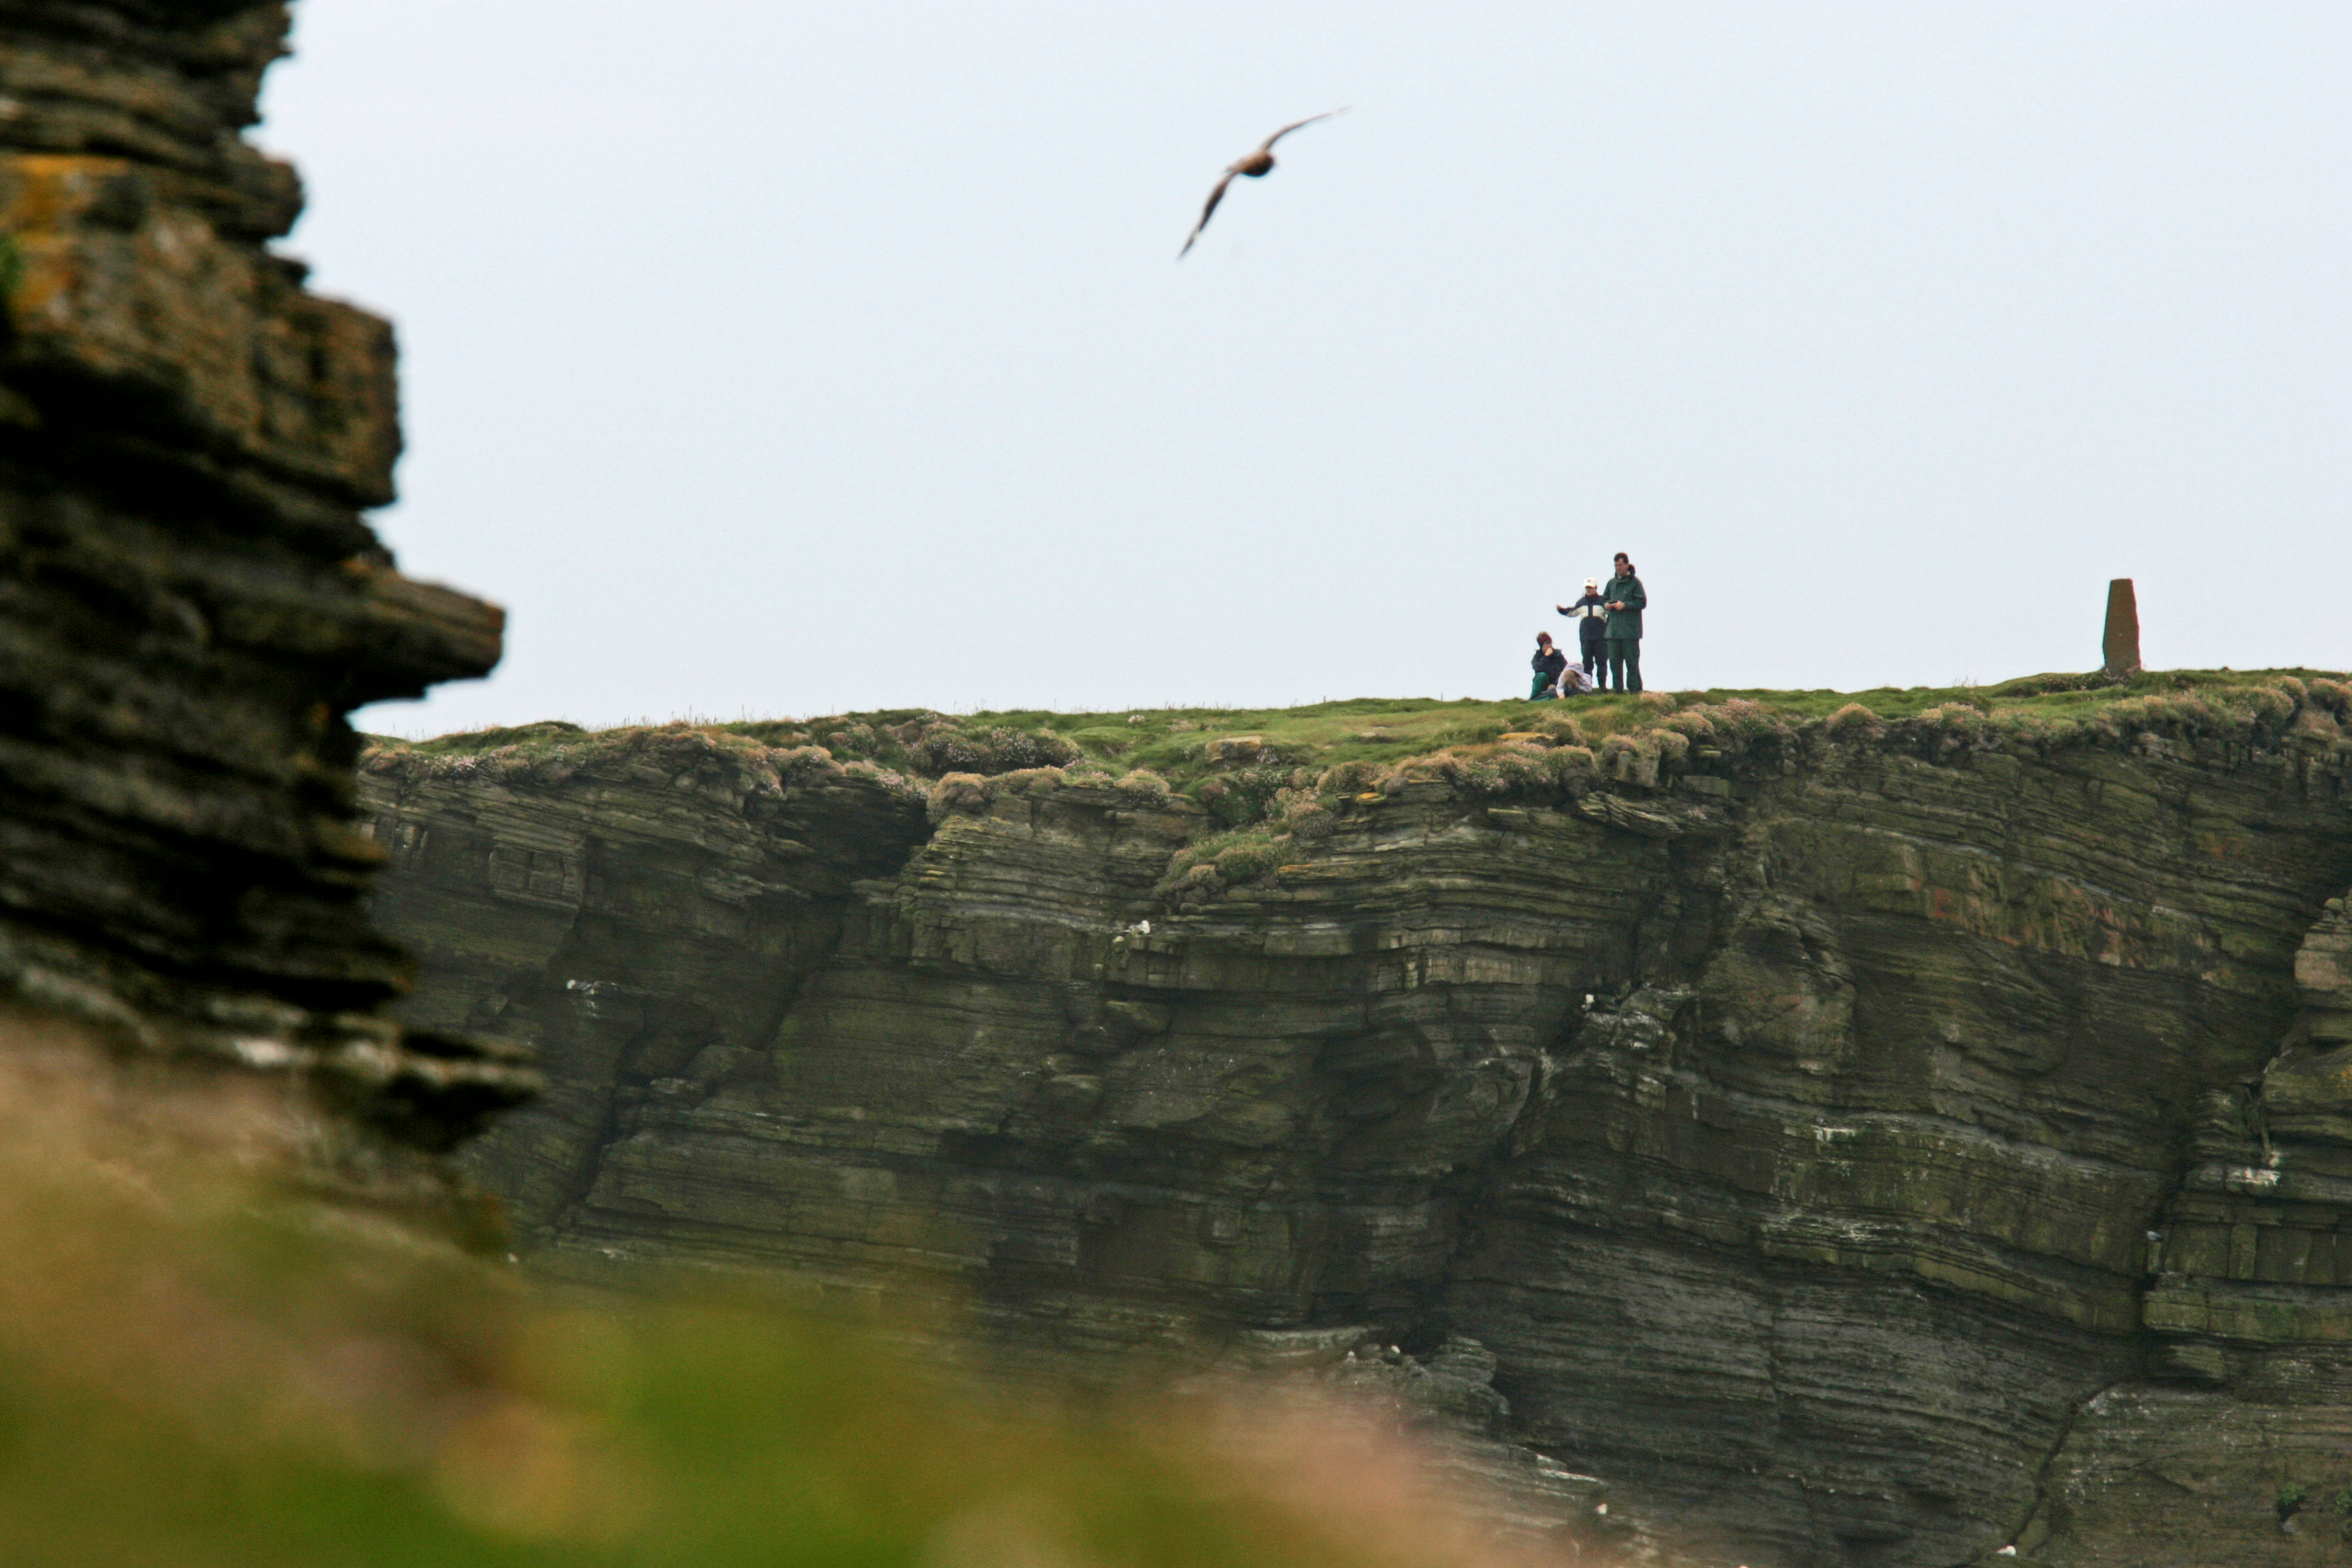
{"type": "Point", "coordinates": [1260, 779]}
{"type": "Point", "coordinates": [1184, 744]}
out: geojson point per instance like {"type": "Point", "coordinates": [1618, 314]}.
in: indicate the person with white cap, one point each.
{"type": "Point", "coordinates": [1591, 617]}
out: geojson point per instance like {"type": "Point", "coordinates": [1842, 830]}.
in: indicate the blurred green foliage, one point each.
{"type": "Point", "coordinates": [202, 1368]}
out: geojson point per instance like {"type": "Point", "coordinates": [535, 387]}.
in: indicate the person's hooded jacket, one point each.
{"type": "Point", "coordinates": [1625, 624]}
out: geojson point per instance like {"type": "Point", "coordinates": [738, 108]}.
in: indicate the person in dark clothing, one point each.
{"type": "Point", "coordinates": [1591, 616]}
{"type": "Point", "coordinates": [1547, 663]}
{"type": "Point", "coordinates": [1625, 599]}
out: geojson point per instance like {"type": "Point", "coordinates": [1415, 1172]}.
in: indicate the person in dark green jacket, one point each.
{"type": "Point", "coordinates": [1626, 600]}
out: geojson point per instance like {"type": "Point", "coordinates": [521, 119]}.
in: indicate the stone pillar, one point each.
{"type": "Point", "coordinates": [2121, 645]}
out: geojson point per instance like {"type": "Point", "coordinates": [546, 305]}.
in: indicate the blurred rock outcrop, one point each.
{"type": "Point", "coordinates": [190, 600]}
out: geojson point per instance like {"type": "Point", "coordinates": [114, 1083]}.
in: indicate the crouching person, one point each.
{"type": "Point", "coordinates": [1547, 663]}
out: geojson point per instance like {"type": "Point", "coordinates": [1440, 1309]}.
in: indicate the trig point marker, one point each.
{"type": "Point", "coordinates": [2122, 645]}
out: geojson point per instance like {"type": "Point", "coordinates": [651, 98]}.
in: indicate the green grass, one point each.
{"type": "Point", "coordinates": [1265, 780]}
{"type": "Point", "coordinates": [200, 1367]}
{"type": "Point", "coordinates": [1175, 743]}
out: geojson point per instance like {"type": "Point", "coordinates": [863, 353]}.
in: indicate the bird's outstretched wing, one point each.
{"type": "Point", "coordinates": [1216, 196]}
{"type": "Point", "coordinates": [1268, 145]}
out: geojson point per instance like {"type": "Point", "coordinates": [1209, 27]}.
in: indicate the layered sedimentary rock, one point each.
{"type": "Point", "coordinates": [1850, 1147]}
{"type": "Point", "coordinates": [1880, 1185]}
{"type": "Point", "coordinates": [2237, 1446]}
{"type": "Point", "coordinates": [627, 921]}
{"type": "Point", "coordinates": [190, 600]}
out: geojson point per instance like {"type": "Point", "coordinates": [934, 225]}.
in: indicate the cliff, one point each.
{"type": "Point", "coordinates": [190, 600]}
{"type": "Point", "coordinates": [1862, 1138]}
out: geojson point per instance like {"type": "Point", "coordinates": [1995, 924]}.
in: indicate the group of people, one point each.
{"type": "Point", "coordinates": [1608, 634]}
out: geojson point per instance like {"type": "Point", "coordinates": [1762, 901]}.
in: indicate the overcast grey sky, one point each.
{"type": "Point", "coordinates": [769, 359]}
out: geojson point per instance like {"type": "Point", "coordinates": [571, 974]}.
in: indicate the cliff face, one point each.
{"type": "Point", "coordinates": [1875, 1150]}
{"type": "Point", "coordinates": [623, 921]}
{"type": "Point", "coordinates": [189, 599]}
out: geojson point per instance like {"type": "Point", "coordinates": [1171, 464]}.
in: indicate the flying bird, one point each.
{"type": "Point", "coordinates": [1255, 166]}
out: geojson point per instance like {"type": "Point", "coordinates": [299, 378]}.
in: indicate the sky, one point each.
{"type": "Point", "coordinates": [771, 360]}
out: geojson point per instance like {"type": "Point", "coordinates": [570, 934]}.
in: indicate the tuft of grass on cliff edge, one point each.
{"type": "Point", "coordinates": [1177, 743]}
